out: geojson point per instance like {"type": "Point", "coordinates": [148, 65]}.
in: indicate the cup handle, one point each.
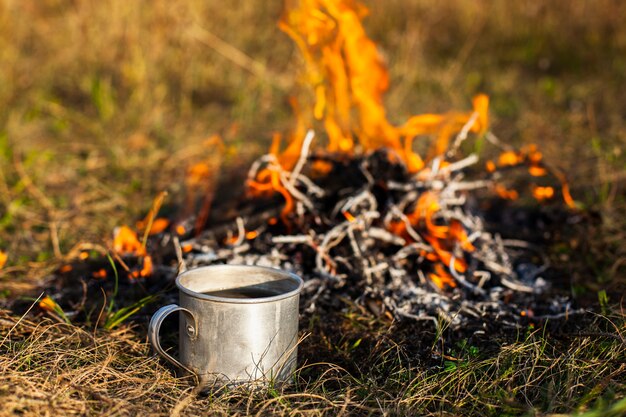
{"type": "Point", "coordinates": [155, 326]}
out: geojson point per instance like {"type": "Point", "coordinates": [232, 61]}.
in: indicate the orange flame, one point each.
{"type": "Point", "coordinates": [543, 193]}
{"type": "Point", "coordinates": [459, 234]}
{"type": "Point", "coordinates": [146, 268]}
{"type": "Point", "coordinates": [48, 304]}
{"type": "Point", "coordinates": [532, 157]}
{"type": "Point", "coordinates": [252, 234]}
{"type": "Point", "coordinates": [158, 225]}
{"type": "Point", "coordinates": [537, 171]}
{"type": "Point", "coordinates": [348, 78]}
{"type": "Point", "coordinates": [126, 242]}
{"type": "Point", "coordinates": [101, 273]}
{"type": "Point", "coordinates": [441, 278]}
{"type": "Point", "coordinates": [506, 193]}
{"type": "Point", "coordinates": [442, 238]}
{"type": "Point", "coordinates": [348, 216]}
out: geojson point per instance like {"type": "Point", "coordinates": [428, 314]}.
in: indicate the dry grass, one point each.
{"type": "Point", "coordinates": [49, 369]}
{"type": "Point", "coordinates": [103, 104]}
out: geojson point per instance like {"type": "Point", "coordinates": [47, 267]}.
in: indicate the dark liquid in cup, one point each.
{"type": "Point", "coordinates": [243, 292]}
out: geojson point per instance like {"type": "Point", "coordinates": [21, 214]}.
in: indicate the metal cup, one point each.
{"type": "Point", "coordinates": [239, 324]}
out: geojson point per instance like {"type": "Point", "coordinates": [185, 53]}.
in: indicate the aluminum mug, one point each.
{"type": "Point", "coordinates": [238, 324]}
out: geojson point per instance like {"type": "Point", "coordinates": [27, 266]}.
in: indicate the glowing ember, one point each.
{"type": "Point", "coordinates": [348, 216]}
{"type": "Point", "coordinates": [101, 273]}
{"type": "Point", "coordinates": [48, 304]}
{"type": "Point", "coordinates": [126, 242]}
{"type": "Point", "coordinates": [252, 234]}
{"type": "Point", "coordinates": [543, 193]}
{"type": "Point", "coordinates": [537, 171]}
{"type": "Point", "coordinates": [159, 225]}
{"type": "Point", "coordinates": [533, 158]}
{"type": "Point", "coordinates": [146, 268]}
{"type": "Point", "coordinates": [506, 193]}
{"type": "Point", "coordinates": [509, 158]}
{"type": "Point", "coordinates": [441, 278]}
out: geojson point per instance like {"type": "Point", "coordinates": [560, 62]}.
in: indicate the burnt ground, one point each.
{"type": "Point", "coordinates": [354, 332]}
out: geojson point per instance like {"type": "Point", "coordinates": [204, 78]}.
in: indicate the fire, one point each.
{"type": "Point", "coordinates": [146, 268]}
{"type": "Point", "coordinates": [533, 159]}
{"type": "Point", "coordinates": [509, 158]}
{"type": "Point", "coordinates": [543, 193]}
{"type": "Point", "coordinates": [458, 233]}
{"type": "Point", "coordinates": [101, 273]}
{"type": "Point", "coordinates": [349, 78]}
{"type": "Point", "coordinates": [441, 278]}
{"type": "Point", "coordinates": [126, 242]}
{"type": "Point", "coordinates": [252, 234]}
{"type": "Point", "coordinates": [349, 216]}
{"type": "Point", "coordinates": [48, 304]}
{"type": "Point", "coordinates": [505, 193]}
{"type": "Point", "coordinates": [159, 225]}
{"type": "Point", "coordinates": [444, 239]}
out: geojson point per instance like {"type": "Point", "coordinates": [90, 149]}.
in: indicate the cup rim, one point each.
{"type": "Point", "coordinates": [282, 272]}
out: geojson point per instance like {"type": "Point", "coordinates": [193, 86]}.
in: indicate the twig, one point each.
{"type": "Point", "coordinates": [182, 265]}
{"type": "Point", "coordinates": [462, 135]}
{"type": "Point", "coordinates": [304, 153]}
{"type": "Point", "coordinates": [154, 210]}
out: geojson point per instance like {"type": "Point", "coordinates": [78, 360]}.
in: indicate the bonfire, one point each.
{"type": "Point", "coordinates": [349, 203]}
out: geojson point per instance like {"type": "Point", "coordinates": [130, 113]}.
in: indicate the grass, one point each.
{"type": "Point", "coordinates": [58, 368]}
{"type": "Point", "coordinates": [106, 104]}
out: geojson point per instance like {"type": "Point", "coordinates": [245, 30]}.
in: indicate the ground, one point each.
{"type": "Point", "coordinates": [106, 104]}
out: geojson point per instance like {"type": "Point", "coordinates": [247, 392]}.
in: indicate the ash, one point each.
{"type": "Point", "coordinates": [408, 246]}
